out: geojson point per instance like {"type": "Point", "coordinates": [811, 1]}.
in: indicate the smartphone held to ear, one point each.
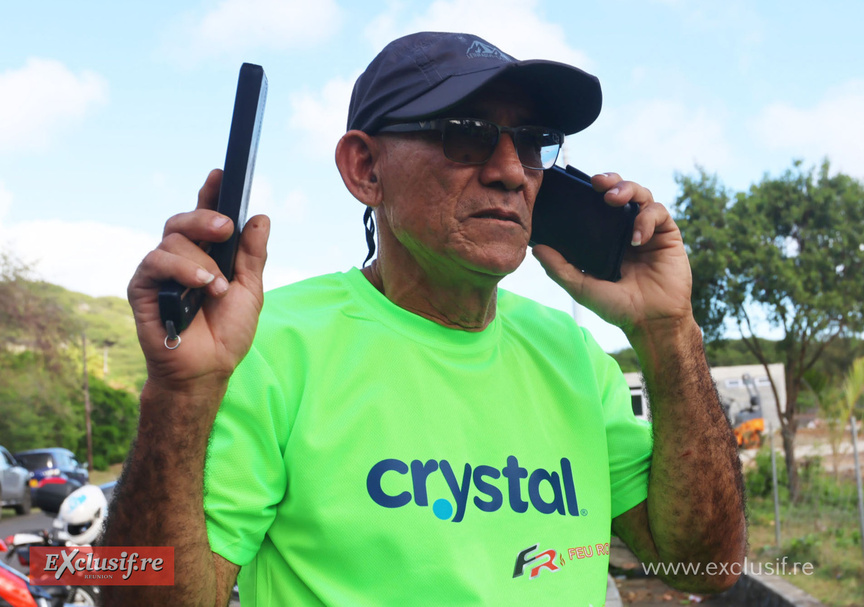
{"type": "Point", "coordinates": [572, 218]}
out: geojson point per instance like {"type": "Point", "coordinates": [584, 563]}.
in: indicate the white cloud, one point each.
{"type": "Point", "coordinates": [241, 25]}
{"type": "Point", "coordinates": [85, 256]}
{"type": "Point", "coordinates": [43, 98]}
{"type": "Point", "coordinates": [832, 128]}
{"type": "Point", "coordinates": [514, 25]}
{"type": "Point", "coordinates": [99, 259]}
{"type": "Point", "coordinates": [321, 116]}
{"type": "Point", "coordinates": [649, 141]}
{"type": "Point", "coordinates": [670, 135]}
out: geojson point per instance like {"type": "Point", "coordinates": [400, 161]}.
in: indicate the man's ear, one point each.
{"type": "Point", "coordinates": [357, 160]}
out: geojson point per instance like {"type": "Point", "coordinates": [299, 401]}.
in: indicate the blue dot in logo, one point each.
{"type": "Point", "coordinates": [442, 509]}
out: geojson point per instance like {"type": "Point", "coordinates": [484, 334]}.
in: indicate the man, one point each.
{"type": "Point", "coordinates": [408, 434]}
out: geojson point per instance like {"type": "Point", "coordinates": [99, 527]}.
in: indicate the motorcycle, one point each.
{"type": "Point", "coordinates": [17, 591]}
{"type": "Point", "coordinates": [78, 523]}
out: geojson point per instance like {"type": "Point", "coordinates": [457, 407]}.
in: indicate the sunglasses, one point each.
{"type": "Point", "coordinates": [473, 141]}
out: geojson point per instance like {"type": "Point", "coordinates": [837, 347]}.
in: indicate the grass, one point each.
{"type": "Point", "coordinates": [822, 530]}
{"type": "Point", "coordinates": [99, 477]}
{"type": "Point", "coordinates": [825, 539]}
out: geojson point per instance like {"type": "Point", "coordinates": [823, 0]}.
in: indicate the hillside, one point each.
{"type": "Point", "coordinates": [110, 330]}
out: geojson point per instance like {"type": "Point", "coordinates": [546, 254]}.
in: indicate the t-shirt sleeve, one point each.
{"type": "Point", "coordinates": [245, 477]}
{"type": "Point", "coordinates": [628, 438]}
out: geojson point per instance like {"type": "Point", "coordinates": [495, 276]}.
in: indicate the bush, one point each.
{"type": "Point", "coordinates": [100, 462]}
{"type": "Point", "coordinates": [805, 549]}
{"type": "Point", "coordinates": [758, 479]}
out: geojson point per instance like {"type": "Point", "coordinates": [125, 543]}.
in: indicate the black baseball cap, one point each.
{"type": "Point", "coordinates": [424, 74]}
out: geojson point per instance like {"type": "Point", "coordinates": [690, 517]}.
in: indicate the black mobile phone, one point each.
{"type": "Point", "coordinates": [178, 304]}
{"type": "Point", "coordinates": [572, 218]}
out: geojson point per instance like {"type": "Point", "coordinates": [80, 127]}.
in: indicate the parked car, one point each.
{"type": "Point", "coordinates": [56, 474]}
{"type": "Point", "coordinates": [14, 478]}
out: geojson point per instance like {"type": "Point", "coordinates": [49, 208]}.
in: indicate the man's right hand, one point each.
{"type": "Point", "coordinates": [222, 331]}
{"type": "Point", "coordinates": [158, 500]}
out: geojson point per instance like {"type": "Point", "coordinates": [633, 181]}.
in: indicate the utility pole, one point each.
{"type": "Point", "coordinates": [857, 476]}
{"type": "Point", "coordinates": [774, 482]}
{"type": "Point", "coordinates": [87, 404]}
{"type": "Point", "coordinates": [107, 343]}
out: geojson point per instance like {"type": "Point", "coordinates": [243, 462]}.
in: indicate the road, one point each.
{"type": "Point", "coordinates": [11, 523]}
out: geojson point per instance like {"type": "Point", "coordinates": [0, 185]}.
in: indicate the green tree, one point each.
{"type": "Point", "coordinates": [114, 419]}
{"type": "Point", "coordinates": [31, 318]}
{"type": "Point", "coordinates": [788, 255]}
{"type": "Point", "coordinates": [37, 376]}
{"type": "Point", "coordinates": [35, 404]}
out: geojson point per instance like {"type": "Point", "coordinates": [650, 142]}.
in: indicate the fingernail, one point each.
{"type": "Point", "coordinates": [637, 239]}
{"type": "Point", "coordinates": [220, 221]}
{"type": "Point", "coordinates": [613, 191]}
{"type": "Point", "coordinates": [203, 276]}
{"type": "Point", "coordinates": [220, 286]}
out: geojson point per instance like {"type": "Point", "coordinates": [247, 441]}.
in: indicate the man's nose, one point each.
{"type": "Point", "coordinates": [504, 165]}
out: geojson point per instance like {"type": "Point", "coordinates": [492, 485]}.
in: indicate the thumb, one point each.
{"type": "Point", "coordinates": [568, 276]}
{"type": "Point", "coordinates": [595, 294]}
{"type": "Point", "coordinates": [252, 253]}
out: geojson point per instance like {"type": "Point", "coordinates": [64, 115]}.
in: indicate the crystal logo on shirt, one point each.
{"type": "Point", "coordinates": [490, 486]}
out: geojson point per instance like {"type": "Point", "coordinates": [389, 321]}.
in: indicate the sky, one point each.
{"type": "Point", "coordinates": [113, 113]}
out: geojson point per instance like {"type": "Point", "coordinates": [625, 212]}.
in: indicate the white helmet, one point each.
{"type": "Point", "coordinates": [81, 516]}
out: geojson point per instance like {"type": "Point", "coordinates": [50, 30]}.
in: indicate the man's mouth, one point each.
{"type": "Point", "coordinates": [499, 214]}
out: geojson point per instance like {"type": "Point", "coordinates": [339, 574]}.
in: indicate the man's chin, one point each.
{"type": "Point", "coordinates": [500, 265]}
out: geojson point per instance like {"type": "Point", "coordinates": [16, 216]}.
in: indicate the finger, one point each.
{"type": "Point", "coordinates": [202, 225]}
{"type": "Point", "coordinates": [605, 181]}
{"type": "Point", "coordinates": [619, 192]}
{"type": "Point", "coordinates": [208, 195]}
{"type": "Point", "coordinates": [181, 247]}
{"type": "Point", "coordinates": [651, 218]}
{"type": "Point", "coordinates": [161, 265]}
{"type": "Point", "coordinates": [589, 291]}
{"type": "Point", "coordinates": [628, 191]}
{"type": "Point", "coordinates": [252, 253]}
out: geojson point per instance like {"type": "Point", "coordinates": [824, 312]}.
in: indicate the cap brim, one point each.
{"type": "Point", "coordinates": [567, 98]}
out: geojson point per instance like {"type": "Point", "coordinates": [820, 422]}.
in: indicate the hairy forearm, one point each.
{"type": "Point", "coordinates": [159, 499]}
{"type": "Point", "coordinates": [695, 504]}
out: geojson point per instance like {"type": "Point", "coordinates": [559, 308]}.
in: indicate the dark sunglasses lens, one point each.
{"type": "Point", "coordinates": [469, 141]}
{"type": "Point", "coordinates": [537, 147]}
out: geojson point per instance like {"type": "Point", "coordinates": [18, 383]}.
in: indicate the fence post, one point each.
{"type": "Point", "coordinates": [774, 481]}
{"type": "Point", "coordinates": [858, 479]}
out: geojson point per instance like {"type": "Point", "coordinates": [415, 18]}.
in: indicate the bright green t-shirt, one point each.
{"type": "Point", "coordinates": [364, 455]}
